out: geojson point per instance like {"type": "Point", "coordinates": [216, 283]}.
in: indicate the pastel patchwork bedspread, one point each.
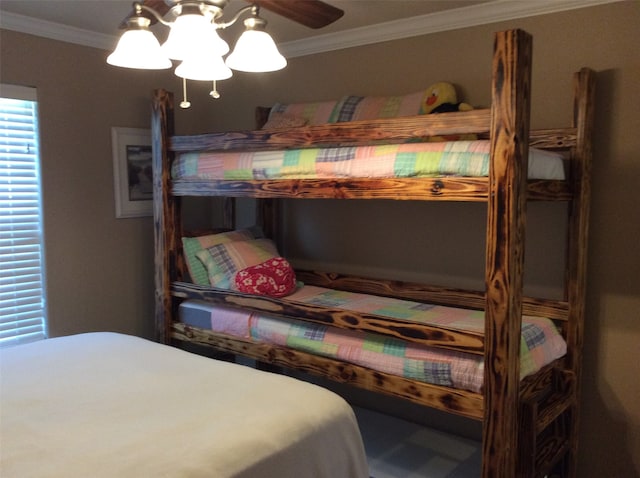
{"type": "Point", "coordinates": [540, 342]}
{"type": "Point", "coordinates": [354, 108]}
{"type": "Point", "coordinates": [406, 160]}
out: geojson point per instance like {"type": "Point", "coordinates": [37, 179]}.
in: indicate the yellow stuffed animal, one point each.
{"type": "Point", "coordinates": [441, 98]}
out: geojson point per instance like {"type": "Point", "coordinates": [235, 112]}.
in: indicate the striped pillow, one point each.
{"type": "Point", "coordinates": [223, 261]}
{"type": "Point", "coordinates": [193, 245]}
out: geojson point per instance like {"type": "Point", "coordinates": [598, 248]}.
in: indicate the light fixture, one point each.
{"type": "Point", "coordinates": [193, 39]}
{"type": "Point", "coordinates": [139, 48]}
{"type": "Point", "coordinates": [255, 50]}
{"type": "Point", "coordinates": [205, 68]}
{"type": "Point", "coordinates": [193, 29]}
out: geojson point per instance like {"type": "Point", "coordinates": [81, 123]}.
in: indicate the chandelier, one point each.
{"type": "Point", "coordinates": [194, 41]}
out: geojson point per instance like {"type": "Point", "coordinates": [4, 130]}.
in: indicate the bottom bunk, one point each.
{"type": "Point", "coordinates": [545, 396]}
{"type": "Point", "coordinates": [541, 343]}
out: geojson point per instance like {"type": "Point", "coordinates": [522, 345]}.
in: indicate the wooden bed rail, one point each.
{"type": "Point", "coordinates": [433, 335]}
{"type": "Point", "coordinates": [166, 212]}
{"type": "Point", "coordinates": [338, 134]}
{"type": "Point", "coordinates": [452, 188]}
{"type": "Point", "coordinates": [355, 132]}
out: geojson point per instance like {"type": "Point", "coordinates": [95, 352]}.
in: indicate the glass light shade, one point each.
{"type": "Point", "coordinates": [255, 52]}
{"type": "Point", "coordinates": [203, 69]}
{"type": "Point", "coordinates": [139, 49]}
{"type": "Point", "coordinates": [192, 33]}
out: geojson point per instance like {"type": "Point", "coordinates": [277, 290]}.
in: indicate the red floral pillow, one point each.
{"type": "Point", "coordinates": [274, 277]}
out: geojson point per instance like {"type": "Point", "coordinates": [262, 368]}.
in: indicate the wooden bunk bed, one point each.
{"type": "Point", "coordinates": [529, 425]}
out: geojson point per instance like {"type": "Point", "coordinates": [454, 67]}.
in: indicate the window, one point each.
{"type": "Point", "coordinates": [22, 295]}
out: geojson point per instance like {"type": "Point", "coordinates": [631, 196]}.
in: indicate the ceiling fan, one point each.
{"type": "Point", "coordinates": [310, 13]}
{"type": "Point", "coordinates": [194, 40]}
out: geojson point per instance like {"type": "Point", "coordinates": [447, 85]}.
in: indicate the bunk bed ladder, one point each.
{"type": "Point", "coordinates": [536, 436]}
{"type": "Point", "coordinates": [549, 411]}
{"type": "Point", "coordinates": [550, 418]}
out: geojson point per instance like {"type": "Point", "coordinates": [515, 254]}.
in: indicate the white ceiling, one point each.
{"type": "Point", "coordinates": [104, 16]}
{"type": "Point", "coordinates": [95, 22]}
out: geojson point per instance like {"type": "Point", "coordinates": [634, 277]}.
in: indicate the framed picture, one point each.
{"type": "Point", "coordinates": [132, 174]}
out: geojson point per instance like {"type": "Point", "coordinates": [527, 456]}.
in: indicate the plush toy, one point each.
{"type": "Point", "coordinates": [441, 98]}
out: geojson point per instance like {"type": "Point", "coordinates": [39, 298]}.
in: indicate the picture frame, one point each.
{"type": "Point", "coordinates": [132, 174]}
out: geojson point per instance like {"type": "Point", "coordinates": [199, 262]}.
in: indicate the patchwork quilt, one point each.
{"type": "Point", "coordinates": [540, 343]}
{"type": "Point", "coordinates": [354, 108]}
{"type": "Point", "coordinates": [405, 160]}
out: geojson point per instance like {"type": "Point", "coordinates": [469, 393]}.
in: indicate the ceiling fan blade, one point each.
{"type": "Point", "coordinates": [159, 6]}
{"type": "Point", "coordinates": [310, 13]}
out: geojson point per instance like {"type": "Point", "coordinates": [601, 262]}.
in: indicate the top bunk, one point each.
{"type": "Point", "coordinates": [258, 163]}
{"type": "Point", "coordinates": [363, 141]}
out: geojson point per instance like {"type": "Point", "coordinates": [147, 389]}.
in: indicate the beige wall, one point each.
{"type": "Point", "coordinates": [100, 268]}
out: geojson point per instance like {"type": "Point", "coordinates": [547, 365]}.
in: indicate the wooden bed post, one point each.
{"type": "Point", "coordinates": [583, 121]}
{"type": "Point", "coordinates": [229, 213]}
{"type": "Point", "coordinates": [166, 211]}
{"type": "Point", "coordinates": [506, 215]}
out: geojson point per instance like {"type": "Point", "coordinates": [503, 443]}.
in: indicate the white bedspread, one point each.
{"type": "Point", "coordinates": [111, 405]}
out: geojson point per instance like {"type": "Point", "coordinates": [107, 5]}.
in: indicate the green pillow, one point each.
{"type": "Point", "coordinates": [192, 245]}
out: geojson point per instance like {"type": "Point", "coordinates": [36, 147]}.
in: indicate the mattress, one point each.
{"type": "Point", "coordinates": [406, 160]}
{"type": "Point", "coordinates": [540, 343]}
{"type": "Point", "coordinates": [111, 405]}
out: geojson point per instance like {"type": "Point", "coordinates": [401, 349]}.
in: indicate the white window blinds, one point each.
{"type": "Point", "coordinates": [22, 297]}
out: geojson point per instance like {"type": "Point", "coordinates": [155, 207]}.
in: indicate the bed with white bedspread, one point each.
{"type": "Point", "coordinates": [112, 405]}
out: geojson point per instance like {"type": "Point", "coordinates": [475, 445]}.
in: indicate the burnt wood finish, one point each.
{"type": "Point", "coordinates": [338, 134]}
{"type": "Point", "coordinates": [583, 121]}
{"type": "Point", "coordinates": [453, 339]}
{"type": "Point", "coordinates": [425, 189]}
{"type": "Point", "coordinates": [357, 132]}
{"type": "Point", "coordinates": [530, 425]}
{"type": "Point", "coordinates": [262, 116]}
{"type": "Point", "coordinates": [552, 309]}
{"type": "Point", "coordinates": [505, 250]}
{"type": "Point", "coordinates": [166, 211]}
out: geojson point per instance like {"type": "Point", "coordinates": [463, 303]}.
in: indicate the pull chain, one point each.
{"type": "Point", "coordinates": [184, 103]}
{"type": "Point", "coordinates": [214, 93]}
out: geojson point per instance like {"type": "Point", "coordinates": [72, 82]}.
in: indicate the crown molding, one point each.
{"type": "Point", "coordinates": [481, 14]}
{"type": "Point", "coordinates": [56, 31]}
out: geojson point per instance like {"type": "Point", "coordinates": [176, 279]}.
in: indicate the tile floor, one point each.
{"type": "Point", "coordinates": [400, 449]}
